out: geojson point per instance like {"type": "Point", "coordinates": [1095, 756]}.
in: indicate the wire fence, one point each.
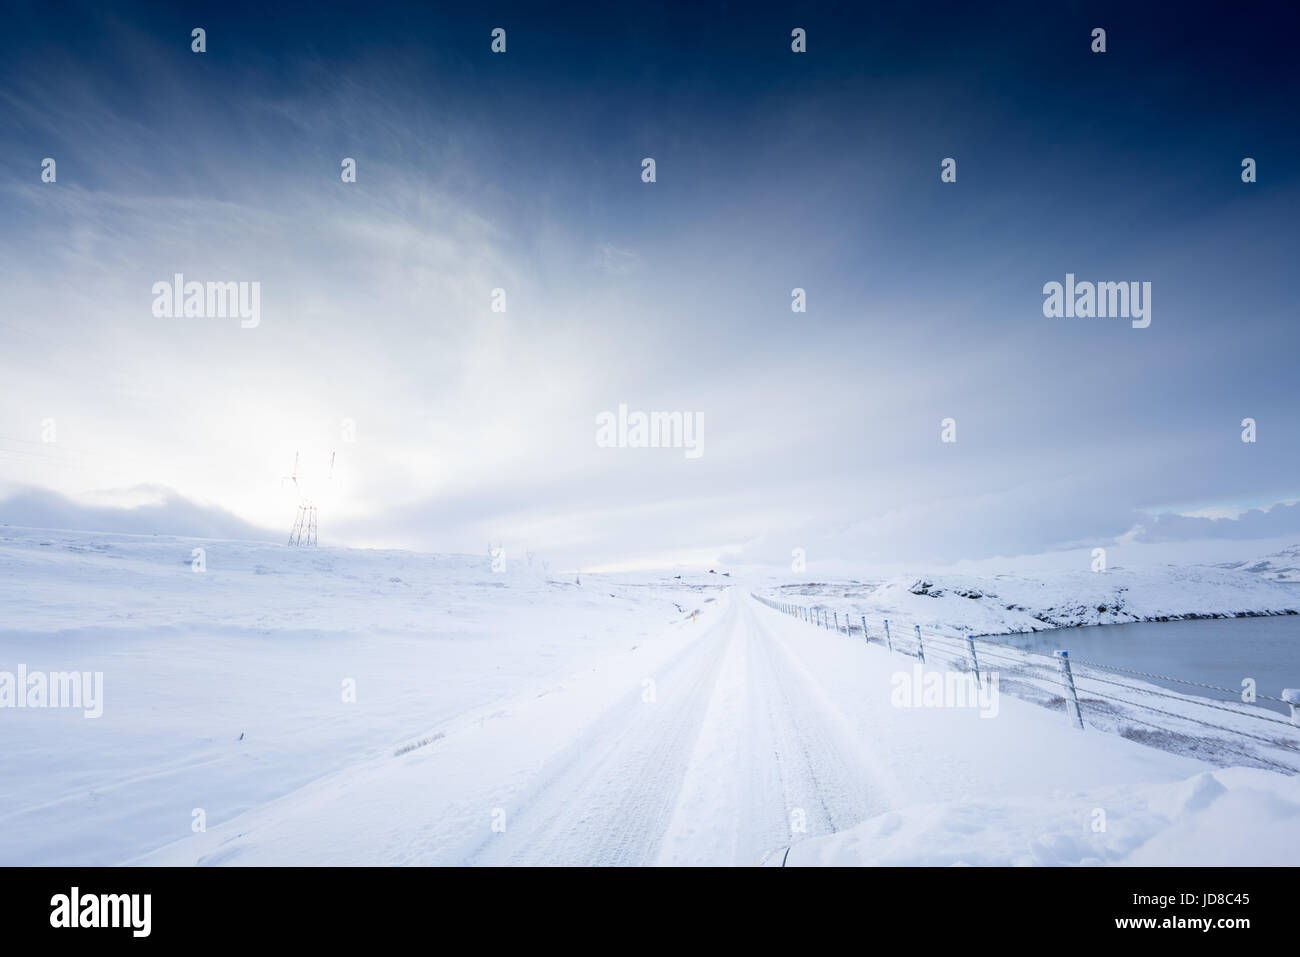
{"type": "Point", "coordinates": [1218, 724]}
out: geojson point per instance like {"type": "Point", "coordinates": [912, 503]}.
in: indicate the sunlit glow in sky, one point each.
{"type": "Point", "coordinates": [522, 172]}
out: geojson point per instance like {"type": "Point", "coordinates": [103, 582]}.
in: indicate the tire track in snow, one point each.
{"type": "Point", "coordinates": [607, 799]}
{"type": "Point", "coordinates": [816, 770]}
{"type": "Point", "coordinates": [611, 796]}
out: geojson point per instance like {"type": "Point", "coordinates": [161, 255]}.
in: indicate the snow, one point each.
{"type": "Point", "coordinates": [504, 718]}
{"type": "Point", "coordinates": [968, 604]}
{"type": "Point", "coordinates": [947, 607]}
{"type": "Point", "coordinates": [1280, 566]}
{"type": "Point", "coordinates": [1202, 821]}
{"type": "Point", "coordinates": [258, 646]}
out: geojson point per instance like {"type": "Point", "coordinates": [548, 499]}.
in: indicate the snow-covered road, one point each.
{"type": "Point", "coordinates": [608, 796]}
{"type": "Point", "coordinates": [611, 796]}
{"type": "Point", "coordinates": [722, 748]}
{"type": "Point", "coordinates": [719, 742]}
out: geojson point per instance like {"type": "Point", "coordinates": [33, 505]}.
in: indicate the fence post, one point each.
{"type": "Point", "coordinates": [920, 645]}
{"type": "Point", "coordinates": [1292, 697]}
{"type": "Point", "coordinates": [1071, 696]}
{"type": "Point", "coordinates": [837, 621]}
{"type": "Point", "coordinates": [865, 636]}
{"type": "Point", "coordinates": [970, 645]}
{"type": "Point", "coordinates": [888, 640]}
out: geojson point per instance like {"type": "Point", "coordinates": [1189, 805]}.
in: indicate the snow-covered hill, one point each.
{"type": "Point", "coordinates": [1280, 566]}
{"type": "Point", "coordinates": [959, 605]}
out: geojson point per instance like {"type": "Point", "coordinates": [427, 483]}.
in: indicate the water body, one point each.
{"type": "Point", "coordinates": [1218, 651]}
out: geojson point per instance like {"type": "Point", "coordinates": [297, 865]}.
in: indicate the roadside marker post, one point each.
{"type": "Point", "coordinates": [1292, 697]}
{"type": "Point", "coordinates": [1071, 696]}
{"type": "Point", "coordinates": [970, 644]}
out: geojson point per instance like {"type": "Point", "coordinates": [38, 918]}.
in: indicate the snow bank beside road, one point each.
{"type": "Point", "coordinates": [1220, 818]}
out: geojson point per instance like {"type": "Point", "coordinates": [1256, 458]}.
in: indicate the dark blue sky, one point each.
{"type": "Point", "coordinates": [775, 170]}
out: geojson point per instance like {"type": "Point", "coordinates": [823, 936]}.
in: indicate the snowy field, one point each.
{"type": "Point", "coordinates": [340, 706]}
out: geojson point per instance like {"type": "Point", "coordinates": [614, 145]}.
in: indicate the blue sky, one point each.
{"type": "Point", "coordinates": [775, 170]}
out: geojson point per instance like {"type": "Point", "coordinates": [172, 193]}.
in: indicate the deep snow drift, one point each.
{"type": "Point", "coordinates": [1202, 821]}
{"type": "Point", "coordinates": [351, 707]}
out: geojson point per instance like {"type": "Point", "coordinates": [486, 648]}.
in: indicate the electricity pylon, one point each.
{"type": "Point", "coordinates": [303, 533]}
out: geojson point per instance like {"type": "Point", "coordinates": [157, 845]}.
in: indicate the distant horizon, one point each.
{"type": "Point", "coordinates": [1066, 559]}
